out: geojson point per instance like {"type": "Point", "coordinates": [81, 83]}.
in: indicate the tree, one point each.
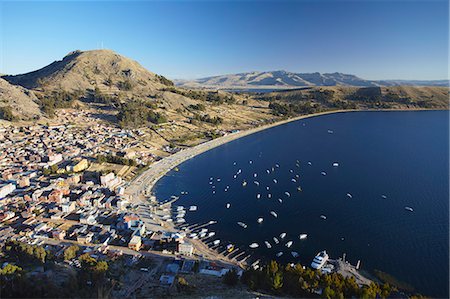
{"type": "Point", "coordinates": [231, 278]}
{"type": "Point", "coordinates": [6, 113]}
{"type": "Point", "coordinates": [71, 252]}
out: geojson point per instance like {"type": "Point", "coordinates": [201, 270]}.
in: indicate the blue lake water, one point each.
{"type": "Point", "coordinates": [402, 155]}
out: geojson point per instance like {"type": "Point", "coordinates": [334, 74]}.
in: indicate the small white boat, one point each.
{"type": "Point", "coordinates": [287, 194]}
{"type": "Point", "coordinates": [294, 180]}
{"type": "Point", "coordinates": [260, 220]}
{"type": "Point", "coordinates": [299, 189]}
{"type": "Point", "coordinates": [250, 162]}
{"type": "Point", "coordinates": [242, 224]}
{"type": "Point", "coordinates": [268, 171]}
{"type": "Point", "coordinates": [323, 217]}
{"type": "Point", "coordinates": [267, 188]}
{"type": "Point", "coordinates": [214, 192]}
{"type": "Point", "coordinates": [409, 209]}
{"type": "Point", "coordinates": [295, 254]}
{"type": "Point", "coordinates": [309, 163]}
{"type": "Point", "coordinates": [244, 183]}
{"type": "Point", "coordinates": [216, 242]}
{"type": "Point", "coordinates": [234, 163]}
{"type": "Point", "coordinates": [323, 173]}
{"type": "Point", "coordinates": [268, 244]}
{"type": "Point", "coordinates": [193, 235]}
{"type": "Point", "coordinates": [289, 244]}
{"type": "Point", "coordinates": [275, 181]}
{"type": "Point", "coordinates": [255, 175]}
{"type": "Point", "coordinates": [319, 260]}
{"type": "Point", "coordinates": [279, 254]}
{"type": "Point", "coordinates": [256, 183]}
{"type": "Point", "coordinates": [211, 234]}
{"type": "Point", "coordinates": [280, 200]}
{"type": "Point", "coordinates": [291, 171]}
{"type": "Point", "coordinates": [282, 235]}
{"type": "Point", "coordinates": [330, 132]}
{"type": "Point", "coordinates": [193, 208]}
{"type": "Point", "coordinates": [219, 180]}
{"type": "Point", "coordinates": [202, 235]}
{"type": "Point", "coordinates": [258, 196]}
{"type": "Point", "coordinates": [276, 240]}
{"type": "Point", "coordinates": [204, 230]}
{"type": "Point", "coordinates": [274, 214]}
{"type": "Point", "coordinates": [335, 164]}
{"type": "Point", "coordinates": [349, 195]}
{"type": "Point", "coordinates": [269, 195]}
{"type": "Point", "coordinates": [234, 176]}
{"type": "Point", "coordinates": [383, 196]}
{"type": "Point", "coordinates": [228, 205]}
{"type": "Point", "coordinates": [303, 236]}
{"type": "Point", "coordinates": [277, 166]}
{"type": "Point", "coordinates": [253, 245]}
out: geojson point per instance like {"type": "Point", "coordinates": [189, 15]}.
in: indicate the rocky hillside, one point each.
{"type": "Point", "coordinates": [86, 70]}
{"type": "Point", "coordinates": [20, 102]}
{"type": "Point", "coordinates": [284, 80]}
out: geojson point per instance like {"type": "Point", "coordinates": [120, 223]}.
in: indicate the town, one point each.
{"type": "Point", "coordinates": [64, 185]}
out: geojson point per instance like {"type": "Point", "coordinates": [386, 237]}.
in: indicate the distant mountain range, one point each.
{"type": "Point", "coordinates": [285, 80]}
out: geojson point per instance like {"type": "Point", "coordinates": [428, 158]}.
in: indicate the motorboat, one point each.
{"type": "Point", "coordinates": [287, 194]}
{"type": "Point", "coordinates": [349, 195]}
{"type": "Point", "coordinates": [319, 260]}
{"type": "Point", "coordinates": [323, 173]}
{"type": "Point", "coordinates": [260, 220]}
{"type": "Point", "coordinates": [242, 224]}
{"type": "Point", "coordinates": [279, 254]}
{"type": "Point", "coordinates": [273, 214]}
{"type": "Point", "coordinates": [228, 205]}
{"type": "Point", "coordinates": [216, 242]}
{"type": "Point", "coordinates": [258, 196]}
{"type": "Point", "coordinates": [409, 209]}
{"type": "Point", "coordinates": [276, 240]}
{"type": "Point", "coordinates": [282, 235]}
{"type": "Point", "coordinates": [295, 254]}
{"type": "Point", "coordinates": [244, 183]}
{"type": "Point", "coordinates": [303, 236]}
{"type": "Point", "coordinates": [253, 245]}
{"type": "Point", "coordinates": [289, 244]}
{"type": "Point", "coordinates": [193, 208]}
{"type": "Point", "coordinates": [323, 217]}
{"type": "Point", "coordinates": [275, 181]}
{"type": "Point", "coordinates": [268, 244]}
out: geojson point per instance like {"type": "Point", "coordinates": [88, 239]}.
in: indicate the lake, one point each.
{"type": "Point", "coordinates": [386, 161]}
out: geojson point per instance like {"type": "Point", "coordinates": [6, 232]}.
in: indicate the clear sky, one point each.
{"type": "Point", "coordinates": [374, 39]}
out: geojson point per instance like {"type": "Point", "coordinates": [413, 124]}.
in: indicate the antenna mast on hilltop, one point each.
{"type": "Point", "coordinates": [102, 45]}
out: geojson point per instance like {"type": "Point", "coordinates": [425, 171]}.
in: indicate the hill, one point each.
{"type": "Point", "coordinates": [18, 101]}
{"type": "Point", "coordinates": [86, 70]}
{"type": "Point", "coordinates": [286, 80]}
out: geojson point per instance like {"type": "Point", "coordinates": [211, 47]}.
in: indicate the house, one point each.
{"type": "Point", "coordinates": [58, 234]}
{"type": "Point", "coordinates": [185, 248]}
{"type": "Point", "coordinates": [135, 243]}
{"type": "Point", "coordinates": [6, 190]}
{"type": "Point", "coordinates": [85, 238]}
{"type": "Point", "coordinates": [80, 166]}
{"type": "Point", "coordinates": [68, 207]}
{"type": "Point", "coordinates": [6, 215]}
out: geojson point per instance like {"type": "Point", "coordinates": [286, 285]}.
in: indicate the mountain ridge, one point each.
{"type": "Point", "coordinates": [281, 79]}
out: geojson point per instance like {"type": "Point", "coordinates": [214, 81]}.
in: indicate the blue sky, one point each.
{"type": "Point", "coordinates": [190, 39]}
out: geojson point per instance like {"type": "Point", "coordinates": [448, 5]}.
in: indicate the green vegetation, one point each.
{"type": "Point", "coordinates": [58, 99]}
{"type": "Point", "coordinates": [164, 80]}
{"type": "Point", "coordinates": [71, 252]}
{"type": "Point", "coordinates": [208, 119]}
{"type": "Point", "coordinates": [115, 160]}
{"type": "Point", "coordinates": [292, 109]}
{"type": "Point", "coordinates": [208, 96]}
{"type": "Point", "coordinates": [135, 114]}
{"type": "Point", "coordinates": [126, 85]}
{"type": "Point", "coordinates": [199, 107]}
{"type": "Point", "coordinates": [26, 252]}
{"type": "Point", "coordinates": [6, 113]}
{"type": "Point", "coordinates": [298, 282]}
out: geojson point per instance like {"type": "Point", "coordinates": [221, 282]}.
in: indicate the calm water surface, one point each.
{"type": "Point", "coordinates": [402, 155]}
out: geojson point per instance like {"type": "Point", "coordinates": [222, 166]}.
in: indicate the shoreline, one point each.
{"type": "Point", "coordinates": [142, 187]}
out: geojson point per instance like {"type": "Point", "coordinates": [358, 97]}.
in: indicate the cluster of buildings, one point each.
{"type": "Point", "coordinates": [47, 190]}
